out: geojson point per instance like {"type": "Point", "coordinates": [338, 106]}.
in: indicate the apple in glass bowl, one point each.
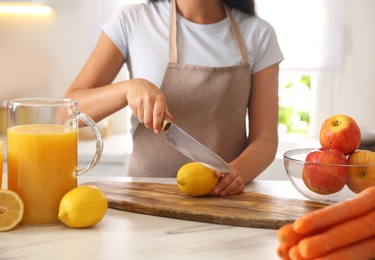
{"type": "Point", "coordinates": [361, 174]}
{"type": "Point", "coordinates": [295, 163]}
{"type": "Point", "coordinates": [320, 176]}
{"type": "Point", "coordinates": [340, 132]}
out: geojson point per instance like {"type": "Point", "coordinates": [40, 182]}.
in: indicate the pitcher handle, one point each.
{"type": "Point", "coordinates": [99, 142]}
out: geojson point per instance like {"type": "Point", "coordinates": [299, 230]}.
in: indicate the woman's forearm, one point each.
{"type": "Point", "coordinates": [100, 102]}
{"type": "Point", "coordinates": [255, 158]}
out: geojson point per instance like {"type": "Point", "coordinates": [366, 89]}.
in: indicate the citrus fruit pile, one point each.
{"type": "Point", "coordinates": [81, 207]}
{"type": "Point", "coordinates": [194, 179]}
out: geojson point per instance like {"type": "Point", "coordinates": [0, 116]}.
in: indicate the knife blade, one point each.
{"type": "Point", "coordinates": [190, 147]}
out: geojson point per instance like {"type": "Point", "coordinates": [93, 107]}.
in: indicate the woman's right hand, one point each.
{"type": "Point", "coordinates": [94, 85]}
{"type": "Point", "coordinates": [147, 102]}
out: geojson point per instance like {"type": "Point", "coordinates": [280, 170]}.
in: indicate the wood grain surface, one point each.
{"type": "Point", "coordinates": [247, 209]}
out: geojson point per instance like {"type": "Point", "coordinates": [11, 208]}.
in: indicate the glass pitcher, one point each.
{"type": "Point", "coordinates": [43, 153]}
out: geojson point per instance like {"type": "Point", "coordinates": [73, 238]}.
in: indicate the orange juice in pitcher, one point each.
{"type": "Point", "coordinates": [1, 161]}
{"type": "Point", "coordinates": [43, 154]}
{"type": "Point", "coordinates": [44, 157]}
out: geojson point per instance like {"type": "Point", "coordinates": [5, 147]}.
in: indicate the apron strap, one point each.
{"type": "Point", "coordinates": [173, 54]}
{"type": "Point", "coordinates": [237, 36]}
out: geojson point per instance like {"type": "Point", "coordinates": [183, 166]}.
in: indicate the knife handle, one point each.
{"type": "Point", "coordinates": [166, 123]}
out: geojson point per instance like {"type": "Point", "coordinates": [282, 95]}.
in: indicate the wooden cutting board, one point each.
{"type": "Point", "coordinates": [247, 209]}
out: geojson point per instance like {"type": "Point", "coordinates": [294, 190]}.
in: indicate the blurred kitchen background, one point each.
{"type": "Point", "coordinates": [329, 67]}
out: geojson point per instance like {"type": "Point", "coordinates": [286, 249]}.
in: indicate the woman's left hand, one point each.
{"type": "Point", "coordinates": [229, 184]}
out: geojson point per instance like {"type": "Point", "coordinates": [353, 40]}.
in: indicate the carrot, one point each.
{"type": "Point", "coordinates": [364, 249]}
{"type": "Point", "coordinates": [339, 236]}
{"type": "Point", "coordinates": [331, 215]}
{"type": "Point", "coordinates": [294, 253]}
{"type": "Point", "coordinates": [283, 251]}
{"type": "Point", "coordinates": [288, 236]}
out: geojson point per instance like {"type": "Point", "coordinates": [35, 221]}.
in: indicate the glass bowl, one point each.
{"type": "Point", "coordinates": [294, 161]}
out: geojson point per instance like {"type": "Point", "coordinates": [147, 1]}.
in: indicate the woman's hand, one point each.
{"type": "Point", "coordinates": [147, 102]}
{"type": "Point", "coordinates": [94, 85]}
{"type": "Point", "coordinates": [229, 184]}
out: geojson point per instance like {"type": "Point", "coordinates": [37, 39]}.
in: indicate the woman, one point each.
{"type": "Point", "coordinates": [221, 63]}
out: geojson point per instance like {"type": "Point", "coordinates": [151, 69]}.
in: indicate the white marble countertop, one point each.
{"type": "Point", "coordinates": [126, 235]}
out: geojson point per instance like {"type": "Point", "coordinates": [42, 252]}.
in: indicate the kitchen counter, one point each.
{"type": "Point", "coordinates": [127, 235]}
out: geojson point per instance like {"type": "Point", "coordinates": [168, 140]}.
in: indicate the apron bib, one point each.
{"type": "Point", "coordinates": [208, 103]}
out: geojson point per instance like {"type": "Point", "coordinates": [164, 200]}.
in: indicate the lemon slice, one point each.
{"type": "Point", "coordinates": [11, 210]}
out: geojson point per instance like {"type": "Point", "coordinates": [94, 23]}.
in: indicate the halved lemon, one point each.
{"type": "Point", "coordinates": [11, 209]}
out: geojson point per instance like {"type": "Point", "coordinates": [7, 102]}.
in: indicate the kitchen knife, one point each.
{"type": "Point", "coordinates": [187, 145]}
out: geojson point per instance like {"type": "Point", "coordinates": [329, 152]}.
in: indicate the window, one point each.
{"type": "Point", "coordinates": [295, 102]}
{"type": "Point", "coordinates": [311, 36]}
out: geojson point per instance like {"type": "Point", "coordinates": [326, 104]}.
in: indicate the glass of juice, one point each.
{"type": "Point", "coordinates": [42, 154]}
{"type": "Point", "coordinates": [1, 161]}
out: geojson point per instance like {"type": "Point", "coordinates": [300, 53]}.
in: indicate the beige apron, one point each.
{"type": "Point", "coordinates": [208, 103]}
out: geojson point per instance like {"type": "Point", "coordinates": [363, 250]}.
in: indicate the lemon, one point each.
{"type": "Point", "coordinates": [11, 209]}
{"type": "Point", "coordinates": [82, 207]}
{"type": "Point", "coordinates": [195, 179]}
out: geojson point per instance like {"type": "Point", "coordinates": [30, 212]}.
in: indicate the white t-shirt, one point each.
{"type": "Point", "coordinates": [141, 32]}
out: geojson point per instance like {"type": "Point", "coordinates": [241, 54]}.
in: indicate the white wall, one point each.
{"type": "Point", "coordinates": [351, 90]}
{"type": "Point", "coordinates": [41, 56]}
{"type": "Point", "coordinates": [46, 53]}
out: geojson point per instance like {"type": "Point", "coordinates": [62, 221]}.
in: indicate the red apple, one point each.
{"type": "Point", "coordinates": [363, 176]}
{"type": "Point", "coordinates": [325, 170]}
{"type": "Point", "coordinates": [342, 131]}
